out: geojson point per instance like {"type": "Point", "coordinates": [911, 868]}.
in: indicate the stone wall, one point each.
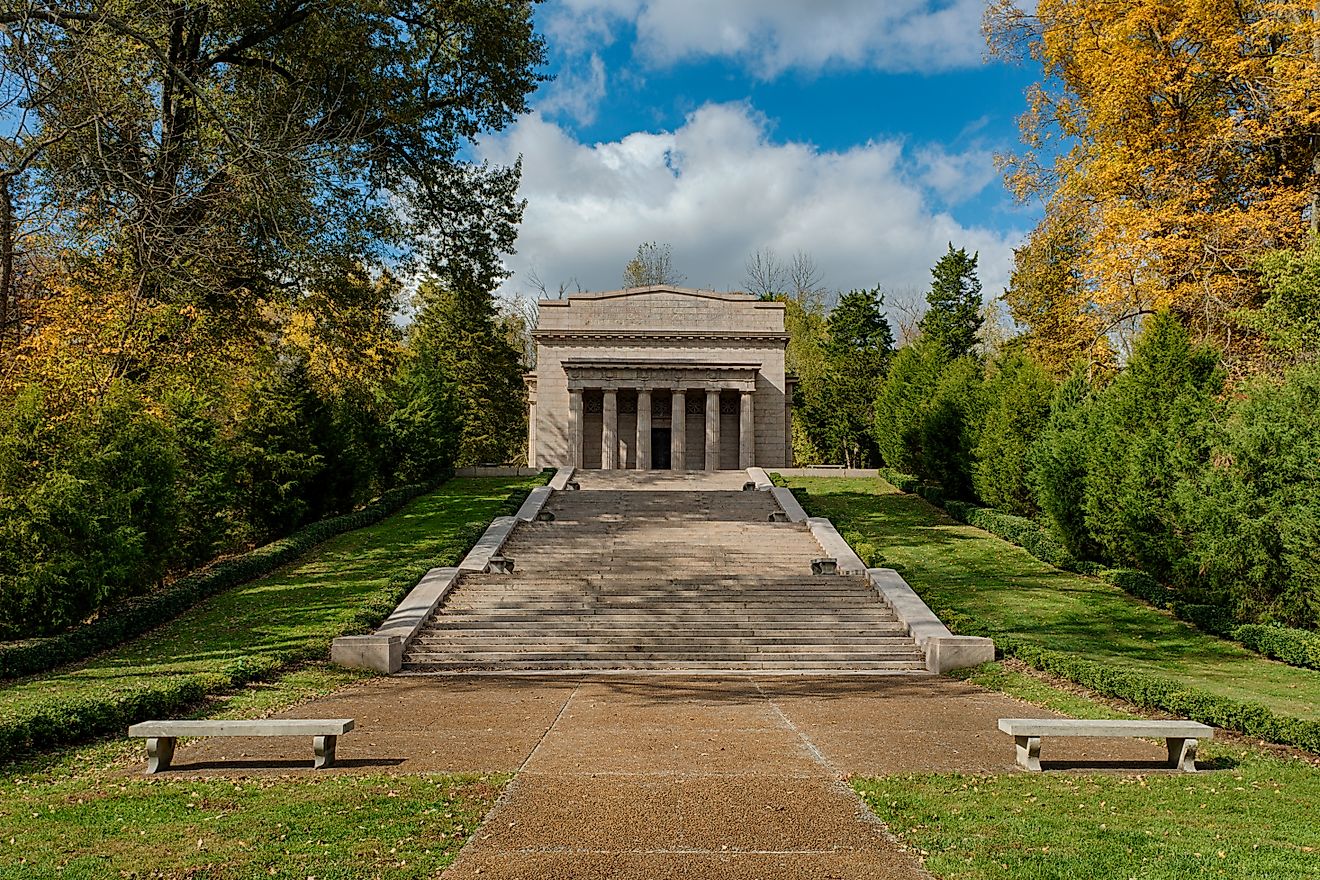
{"type": "Point", "coordinates": [650, 324]}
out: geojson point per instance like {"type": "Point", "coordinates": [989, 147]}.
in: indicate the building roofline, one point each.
{"type": "Point", "coordinates": [726, 296]}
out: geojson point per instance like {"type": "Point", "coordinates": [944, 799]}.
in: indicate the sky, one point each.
{"type": "Point", "coordinates": [862, 132]}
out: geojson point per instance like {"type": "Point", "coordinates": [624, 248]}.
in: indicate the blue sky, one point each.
{"type": "Point", "coordinates": [860, 131]}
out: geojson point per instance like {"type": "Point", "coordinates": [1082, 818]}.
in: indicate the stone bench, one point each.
{"type": "Point", "coordinates": [1180, 736]}
{"type": "Point", "coordinates": [161, 735]}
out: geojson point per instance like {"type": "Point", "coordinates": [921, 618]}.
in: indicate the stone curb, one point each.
{"type": "Point", "coordinates": [829, 539]}
{"type": "Point", "coordinates": [944, 650]}
{"type": "Point", "coordinates": [760, 478]}
{"type": "Point", "coordinates": [788, 504]}
{"type": "Point", "coordinates": [536, 500]}
{"type": "Point", "coordinates": [382, 651]}
{"type": "Point", "coordinates": [559, 482]}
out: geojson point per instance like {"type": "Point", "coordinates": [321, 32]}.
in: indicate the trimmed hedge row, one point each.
{"type": "Point", "coordinates": [1139, 584]}
{"type": "Point", "coordinates": [1149, 691]}
{"type": "Point", "coordinates": [66, 721]}
{"type": "Point", "coordinates": [137, 615]}
{"type": "Point", "coordinates": [1154, 692]}
{"type": "Point", "coordinates": [1296, 647]}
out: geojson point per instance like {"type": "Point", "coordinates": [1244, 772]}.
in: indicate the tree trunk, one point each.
{"type": "Point", "coordinates": [1315, 138]}
{"type": "Point", "coordinates": [7, 233]}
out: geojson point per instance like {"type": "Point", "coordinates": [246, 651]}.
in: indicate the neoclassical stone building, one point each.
{"type": "Point", "coordinates": [660, 378]}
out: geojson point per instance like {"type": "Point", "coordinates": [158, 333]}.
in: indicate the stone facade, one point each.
{"type": "Point", "coordinates": [660, 378]}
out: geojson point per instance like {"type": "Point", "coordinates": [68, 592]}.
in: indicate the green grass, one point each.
{"type": "Point", "coordinates": [964, 569]}
{"type": "Point", "coordinates": [1253, 818]}
{"type": "Point", "coordinates": [330, 827]}
{"type": "Point", "coordinates": [83, 812]}
{"type": "Point", "coordinates": [285, 618]}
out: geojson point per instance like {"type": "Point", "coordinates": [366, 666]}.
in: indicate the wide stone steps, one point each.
{"type": "Point", "coordinates": [701, 664]}
{"type": "Point", "coordinates": [662, 580]}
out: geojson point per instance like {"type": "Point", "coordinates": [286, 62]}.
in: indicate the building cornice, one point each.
{"type": "Point", "coordinates": [594, 335]}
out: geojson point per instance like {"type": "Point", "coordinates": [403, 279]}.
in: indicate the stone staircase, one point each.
{"type": "Point", "coordinates": [643, 572]}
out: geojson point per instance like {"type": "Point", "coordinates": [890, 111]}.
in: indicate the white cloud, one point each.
{"type": "Point", "coordinates": [718, 188]}
{"type": "Point", "coordinates": [577, 90]}
{"type": "Point", "coordinates": [956, 177]}
{"type": "Point", "coordinates": [772, 36]}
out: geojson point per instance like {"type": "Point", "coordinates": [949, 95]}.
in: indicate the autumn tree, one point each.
{"type": "Point", "coordinates": [1049, 298]}
{"type": "Point", "coordinates": [1172, 144]}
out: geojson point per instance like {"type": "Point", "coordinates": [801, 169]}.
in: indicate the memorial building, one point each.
{"type": "Point", "coordinates": [660, 378]}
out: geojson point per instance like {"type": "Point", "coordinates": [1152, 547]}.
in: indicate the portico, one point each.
{"type": "Point", "coordinates": [659, 378]}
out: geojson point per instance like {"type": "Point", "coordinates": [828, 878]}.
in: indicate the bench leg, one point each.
{"type": "Point", "coordinates": [1028, 751]}
{"type": "Point", "coordinates": [160, 751]}
{"type": "Point", "coordinates": [1182, 753]}
{"type": "Point", "coordinates": [324, 749]}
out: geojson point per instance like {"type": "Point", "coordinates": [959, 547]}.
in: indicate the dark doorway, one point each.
{"type": "Point", "coordinates": [660, 449]}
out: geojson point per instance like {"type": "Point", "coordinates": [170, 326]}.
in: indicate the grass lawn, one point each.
{"type": "Point", "coordinates": [288, 616]}
{"type": "Point", "coordinates": [85, 813]}
{"type": "Point", "coordinates": [962, 568]}
{"type": "Point", "coordinates": [1254, 818]}
{"type": "Point", "coordinates": [333, 827]}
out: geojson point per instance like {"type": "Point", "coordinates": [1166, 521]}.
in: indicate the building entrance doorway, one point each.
{"type": "Point", "coordinates": [660, 460]}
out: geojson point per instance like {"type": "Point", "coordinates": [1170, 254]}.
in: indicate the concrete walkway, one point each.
{"type": "Point", "coordinates": [668, 776]}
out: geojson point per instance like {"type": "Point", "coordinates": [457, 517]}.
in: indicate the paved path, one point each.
{"type": "Point", "coordinates": [666, 776]}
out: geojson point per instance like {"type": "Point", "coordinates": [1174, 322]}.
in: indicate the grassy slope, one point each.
{"type": "Point", "coordinates": [77, 814]}
{"type": "Point", "coordinates": [292, 614]}
{"type": "Point", "coordinates": [1005, 588]}
{"type": "Point", "coordinates": [1253, 818]}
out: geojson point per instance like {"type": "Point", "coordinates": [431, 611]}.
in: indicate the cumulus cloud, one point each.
{"type": "Point", "coordinates": [577, 91]}
{"type": "Point", "coordinates": [716, 189]}
{"type": "Point", "coordinates": [772, 36]}
{"type": "Point", "coordinates": [956, 177]}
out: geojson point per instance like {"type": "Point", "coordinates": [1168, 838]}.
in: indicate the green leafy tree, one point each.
{"type": "Point", "coordinates": [859, 345]}
{"type": "Point", "coordinates": [1257, 505]}
{"type": "Point", "coordinates": [1289, 319]}
{"type": "Point", "coordinates": [237, 147]}
{"type": "Point", "coordinates": [1152, 429]}
{"type": "Point", "coordinates": [954, 314]}
{"type": "Point", "coordinates": [900, 405]}
{"type": "Point", "coordinates": [1017, 397]}
{"type": "Point", "coordinates": [458, 328]}
{"type": "Point", "coordinates": [1058, 465]}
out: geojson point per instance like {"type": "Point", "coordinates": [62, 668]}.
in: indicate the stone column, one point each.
{"type": "Point", "coordinates": [575, 427]}
{"type": "Point", "coordinates": [712, 430]}
{"type": "Point", "coordinates": [643, 446]}
{"type": "Point", "coordinates": [609, 418]}
{"type": "Point", "coordinates": [747, 431]}
{"type": "Point", "coordinates": [677, 430]}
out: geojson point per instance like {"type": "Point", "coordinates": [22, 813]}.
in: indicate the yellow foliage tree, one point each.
{"type": "Point", "coordinates": [1173, 143]}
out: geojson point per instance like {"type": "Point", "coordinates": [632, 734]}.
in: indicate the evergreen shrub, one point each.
{"type": "Point", "coordinates": [1296, 647]}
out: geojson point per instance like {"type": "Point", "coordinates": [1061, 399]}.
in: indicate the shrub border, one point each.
{"type": "Point", "coordinates": [138, 615]}
{"type": "Point", "coordinates": [70, 720]}
{"type": "Point", "coordinates": [1296, 647]}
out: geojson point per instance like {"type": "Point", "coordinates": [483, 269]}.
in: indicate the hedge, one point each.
{"type": "Point", "coordinates": [1151, 692]}
{"type": "Point", "coordinates": [137, 615]}
{"type": "Point", "coordinates": [1139, 584]}
{"type": "Point", "coordinates": [1296, 647]}
{"type": "Point", "coordinates": [66, 721]}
